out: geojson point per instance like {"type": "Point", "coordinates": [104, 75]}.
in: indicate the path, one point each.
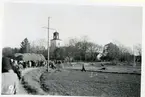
{"type": "Point", "coordinates": [22, 91]}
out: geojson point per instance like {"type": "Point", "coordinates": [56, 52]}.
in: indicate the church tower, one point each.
{"type": "Point", "coordinates": [55, 42]}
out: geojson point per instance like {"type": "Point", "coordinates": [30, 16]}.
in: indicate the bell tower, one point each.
{"type": "Point", "coordinates": [55, 42]}
{"type": "Point", "coordinates": [55, 35]}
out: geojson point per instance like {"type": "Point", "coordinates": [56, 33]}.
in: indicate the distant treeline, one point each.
{"type": "Point", "coordinates": [80, 50]}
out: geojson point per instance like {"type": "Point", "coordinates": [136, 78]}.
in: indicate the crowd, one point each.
{"type": "Point", "coordinates": [27, 64]}
{"type": "Point", "coordinates": [55, 64]}
{"type": "Point", "coordinates": [10, 77]}
{"type": "Point", "coordinates": [11, 73]}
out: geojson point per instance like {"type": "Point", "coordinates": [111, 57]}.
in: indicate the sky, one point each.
{"type": "Point", "coordinates": [102, 24]}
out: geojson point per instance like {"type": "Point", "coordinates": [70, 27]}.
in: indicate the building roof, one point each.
{"type": "Point", "coordinates": [55, 32]}
{"type": "Point", "coordinates": [56, 39]}
{"type": "Point", "coordinates": [29, 57]}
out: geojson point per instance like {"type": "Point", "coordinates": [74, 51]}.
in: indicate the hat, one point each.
{"type": "Point", "coordinates": [6, 65]}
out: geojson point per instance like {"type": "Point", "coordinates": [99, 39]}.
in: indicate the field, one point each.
{"type": "Point", "coordinates": [123, 68]}
{"type": "Point", "coordinates": [71, 81]}
{"type": "Point", "coordinates": [77, 83]}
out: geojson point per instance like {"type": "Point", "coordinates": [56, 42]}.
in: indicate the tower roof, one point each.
{"type": "Point", "coordinates": [55, 39]}
{"type": "Point", "coordinates": [55, 36]}
{"type": "Point", "coordinates": [56, 32]}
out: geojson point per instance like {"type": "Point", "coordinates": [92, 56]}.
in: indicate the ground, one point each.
{"type": "Point", "coordinates": [77, 83]}
{"type": "Point", "coordinates": [116, 81]}
{"type": "Point", "coordinates": [21, 86]}
{"type": "Point", "coordinates": [109, 68]}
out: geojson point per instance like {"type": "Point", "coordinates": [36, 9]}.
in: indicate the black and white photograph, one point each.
{"type": "Point", "coordinates": [71, 50]}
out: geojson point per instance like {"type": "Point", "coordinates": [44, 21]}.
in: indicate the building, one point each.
{"type": "Point", "coordinates": [29, 57]}
{"type": "Point", "coordinates": [55, 42]}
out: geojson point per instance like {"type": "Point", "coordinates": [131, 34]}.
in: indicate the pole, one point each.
{"type": "Point", "coordinates": [134, 64]}
{"type": "Point", "coordinates": [48, 46]}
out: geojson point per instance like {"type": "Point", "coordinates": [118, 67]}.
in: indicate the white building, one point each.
{"type": "Point", "coordinates": [55, 42]}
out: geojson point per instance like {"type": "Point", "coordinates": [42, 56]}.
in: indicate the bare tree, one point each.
{"type": "Point", "coordinates": [73, 41]}
{"type": "Point", "coordinates": [138, 49]}
{"type": "Point", "coordinates": [82, 49]}
{"type": "Point", "coordinates": [38, 46]}
{"type": "Point", "coordinates": [93, 50]}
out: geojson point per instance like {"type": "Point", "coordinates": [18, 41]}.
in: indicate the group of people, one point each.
{"type": "Point", "coordinates": [10, 77]}
{"type": "Point", "coordinates": [12, 73]}
{"type": "Point", "coordinates": [30, 63]}
{"type": "Point", "coordinates": [52, 64]}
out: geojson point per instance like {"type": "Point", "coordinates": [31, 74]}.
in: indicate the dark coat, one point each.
{"type": "Point", "coordinates": [6, 64]}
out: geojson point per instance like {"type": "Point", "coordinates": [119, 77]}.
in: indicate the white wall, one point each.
{"type": "Point", "coordinates": [56, 43]}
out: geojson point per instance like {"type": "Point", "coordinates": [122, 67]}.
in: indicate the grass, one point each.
{"type": "Point", "coordinates": [31, 82]}
{"type": "Point", "coordinates": [77, 83]}
{"type": "Point", "coordinates": [96, 67]}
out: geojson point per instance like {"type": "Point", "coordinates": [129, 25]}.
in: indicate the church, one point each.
{"type": "Point", "coordinates": [55, 42]}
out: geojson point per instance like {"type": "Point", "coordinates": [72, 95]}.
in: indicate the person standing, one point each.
{"type": "Point", "coordinates": [30, 64]}
{"type": "Point", "coordinates": [10, 81]}
{"type": "Point", "coordinates": [83, 68]}
{"type": "Point", "coordinates": [16, 69]}
{"type": "Point", "coordinates": [24, 64]}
